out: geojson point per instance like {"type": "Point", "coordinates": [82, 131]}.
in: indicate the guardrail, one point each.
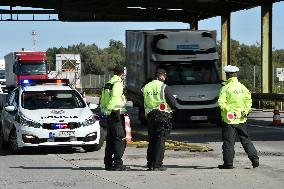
{"type": "Point", "coordinates": [276, 97]}
{"type": "Point", "coordinates": [268, 96]}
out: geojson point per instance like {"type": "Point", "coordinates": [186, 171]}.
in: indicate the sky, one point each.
{"type": "Point", "coordinates": [245, 27]}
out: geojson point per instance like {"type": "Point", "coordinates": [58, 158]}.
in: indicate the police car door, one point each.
{"type": "Point", "coordinates": [9, 114]}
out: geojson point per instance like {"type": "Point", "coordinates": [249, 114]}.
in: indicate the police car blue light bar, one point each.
{"type": "Point", "coordinates": [26, 82]}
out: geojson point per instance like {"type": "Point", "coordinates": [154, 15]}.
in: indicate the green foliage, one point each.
{"type": "Point", "coordinates": [101, 61]}
{"type": "Point", "coordinates": [94, 60]}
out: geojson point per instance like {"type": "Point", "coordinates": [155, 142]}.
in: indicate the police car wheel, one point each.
{"type": "Point", "coordinates": [3, 144]}
{"type": "Point", "coordinates": [13, 142]}
{"type": "Point", "coordinates": [1, 138]}
{"type": "Point", "coordinates": [141, 116]}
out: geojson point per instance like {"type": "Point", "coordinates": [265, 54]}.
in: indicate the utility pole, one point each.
{"type": "Point", "coordinates": [34, 36]}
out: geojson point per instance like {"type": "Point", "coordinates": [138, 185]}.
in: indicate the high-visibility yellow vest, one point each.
{"type": "Point", "coordinates": [154, 96]}
{"type": "Point", "coordinates": [235, 99]}
{"type": "Point", "coordinates": [112, 97]}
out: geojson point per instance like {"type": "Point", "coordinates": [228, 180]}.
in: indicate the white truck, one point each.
{"type": "Point", "coordinates": [191, 61]}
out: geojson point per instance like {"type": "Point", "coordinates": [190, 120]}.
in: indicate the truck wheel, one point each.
{"type": "Point", "coordinates": [141, 116]}
{"type": "Point", "coordinates": [96, 147]}
{"type": "Point", "coordinates": [13, 142]}
{"type": "Point", "coordinates": [218, 122]}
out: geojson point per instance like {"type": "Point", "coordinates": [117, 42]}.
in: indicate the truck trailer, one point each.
{"type": "Point", "coordinates": [24, 65]}
{"type": "Point", "coordinates": [193, 73]}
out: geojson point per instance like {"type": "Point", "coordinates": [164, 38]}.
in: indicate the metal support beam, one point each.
{"type": "Point", "coordinates": [194, 25]}
{"type": "Point", "coordinates": [266, 47]}
{"type": "Point", "coordinates": [225, 42]}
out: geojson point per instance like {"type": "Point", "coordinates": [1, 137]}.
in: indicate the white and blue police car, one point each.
{"type": "Point", "coordinates": [41, 113]}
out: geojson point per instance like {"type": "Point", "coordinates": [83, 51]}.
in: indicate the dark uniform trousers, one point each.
{"type": "Point", "coordinates": [156, 137]}
{"type": "Point", "coordinates": [115, 144]}
{"type": "Point", "coordinates": [229, 134]}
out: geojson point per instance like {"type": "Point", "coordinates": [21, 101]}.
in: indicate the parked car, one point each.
{"type": "Point", "coordinates": [41, 113]}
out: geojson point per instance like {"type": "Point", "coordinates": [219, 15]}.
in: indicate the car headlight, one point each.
{"type": "Point", "coordinates": [90, 121]}
{"type": "Point", "coordinates": [29, 123]}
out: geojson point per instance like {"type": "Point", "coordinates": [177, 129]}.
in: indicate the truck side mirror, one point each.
{"type": "Point", "coordinates": [14, 68]}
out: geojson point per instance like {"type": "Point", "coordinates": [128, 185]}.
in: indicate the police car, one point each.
{"type": "Point", "coordinates": [43, 113]}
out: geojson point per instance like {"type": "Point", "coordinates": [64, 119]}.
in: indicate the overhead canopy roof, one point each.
{"type": "Point", "coordinates": [188, 11]}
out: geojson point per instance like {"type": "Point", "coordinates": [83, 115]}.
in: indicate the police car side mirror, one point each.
{"type": "Point", "coordinates": [93, 106]}
{"type": "Point", "coordinates": [10, 108]}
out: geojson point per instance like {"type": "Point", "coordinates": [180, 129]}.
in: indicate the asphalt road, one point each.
{"type": "Point", "coordinates": [74, 168]}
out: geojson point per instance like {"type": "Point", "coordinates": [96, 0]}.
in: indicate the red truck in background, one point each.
{"type": "Point", "coordinates": [24, 65]}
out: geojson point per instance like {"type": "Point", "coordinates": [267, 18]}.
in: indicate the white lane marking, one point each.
{"type": "Point", "coordinates": [266, 127]}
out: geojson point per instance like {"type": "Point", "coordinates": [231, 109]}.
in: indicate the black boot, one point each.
{"type": "Point", "coordinates": [225, 166]}
{"type": "Point", "coordinates": [255, 163]}
{"type": "Point", "coordinates": [120, 168]}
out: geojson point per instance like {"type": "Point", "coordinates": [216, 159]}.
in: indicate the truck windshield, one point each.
{"type": "Point", "coordinates": [33, 68]}
{"type": "Point", "coordinates": [190, 73]}
{"type": "Point", "coordinates": [52, 100]}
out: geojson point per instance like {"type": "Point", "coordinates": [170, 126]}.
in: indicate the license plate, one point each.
{"type": "Point", "coordinates": [197, 118]}
{"type": "Point", "coordinates": [64, 134]}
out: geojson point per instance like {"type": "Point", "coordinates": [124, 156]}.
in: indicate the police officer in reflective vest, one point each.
{"type": "Point", "coordinates": [158, 114]}
{"type": "Point", "coordinates": [235, 103]}
{"type": "Point", "coordinates": [113, 105]}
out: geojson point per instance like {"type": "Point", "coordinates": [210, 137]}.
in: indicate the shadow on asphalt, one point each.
{"type": "Point", "coordinates": [55, 168]}
{"type": "Point", "coordinates": [173, 167]}
{"type": "Point", "coordinates": [204, 132]}
{"type": "Point", "coordinates": [43, 151]}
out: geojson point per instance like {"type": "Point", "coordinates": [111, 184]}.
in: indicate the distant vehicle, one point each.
{"type": "Point", "coordinates": [191, 61]}
{"type": "Point", "coordinates": [42, 113]}
{"type": "Point", "coordinates": [24, 65]}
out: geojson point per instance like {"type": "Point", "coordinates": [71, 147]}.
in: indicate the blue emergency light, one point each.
{"type": "Point", "coordinates": [61, 126]}
{"type": "Point", "coordinates": [27, 82]}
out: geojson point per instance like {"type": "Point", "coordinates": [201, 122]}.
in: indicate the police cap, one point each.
{"type": "Point", "coordinates": [231, 69]}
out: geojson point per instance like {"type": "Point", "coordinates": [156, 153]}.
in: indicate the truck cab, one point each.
{"type": "Point", "coordinates": [24, 65]}
{"type": "Point", "coordinates": [193, 74]}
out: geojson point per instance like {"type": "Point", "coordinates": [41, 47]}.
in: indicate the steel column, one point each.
{"type": "Point", "coordinates": [226, 42]}
{"type": "Point", "coordinates": [194, 25]}
{"type": "Point", "coordinates": [266, 47]}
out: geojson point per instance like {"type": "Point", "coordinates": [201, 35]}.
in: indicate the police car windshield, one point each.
{"type": "Point", "coordinates": [191, 73]}
{"type": "Point", "coordinates": [52, 100]}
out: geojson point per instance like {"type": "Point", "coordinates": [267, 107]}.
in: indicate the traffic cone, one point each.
{"type": "Point", "coordinates": [128, 136]}
{"type": "Point", "coordinates": [276, 116]}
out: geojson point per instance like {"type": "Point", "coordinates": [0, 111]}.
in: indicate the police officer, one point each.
{"type": "Point", "coordinates": [158, 114]}
{"type": "Point", "coordinates": [115, 109]}
{"type": "Point", "coordinates": [235, 103]}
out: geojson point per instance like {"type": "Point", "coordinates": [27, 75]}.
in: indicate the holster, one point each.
{"type": "Point", "coordinates": [163, 118]}
{"type": "Point", "coordinates": [115, 115]}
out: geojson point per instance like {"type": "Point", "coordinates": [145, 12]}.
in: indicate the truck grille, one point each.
{"type": "Point", "coordinates": [206, 102]}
